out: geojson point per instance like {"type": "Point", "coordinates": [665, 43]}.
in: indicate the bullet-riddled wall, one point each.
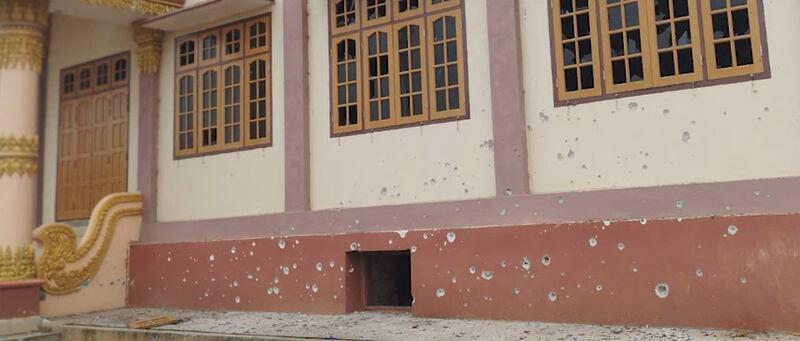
{"type": "Point", "coordinates": [745, 130]}
{"type": "Point", "coordinates": [436, 162]}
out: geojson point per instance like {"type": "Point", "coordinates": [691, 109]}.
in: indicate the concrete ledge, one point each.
{"type": "Point", "coordinates": [72, 332]}
{"type": "Point", "coordinates": [19, 325]}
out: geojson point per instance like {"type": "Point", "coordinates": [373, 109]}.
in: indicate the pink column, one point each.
{"type": "Point", "coordinates": [23, 24]}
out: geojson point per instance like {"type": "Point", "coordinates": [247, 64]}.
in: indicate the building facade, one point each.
{"type": "Point", "coordinates": [592, 161]}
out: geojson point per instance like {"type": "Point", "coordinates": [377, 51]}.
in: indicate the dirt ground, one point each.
{"type": "Point", "coordinates": [398, 326]}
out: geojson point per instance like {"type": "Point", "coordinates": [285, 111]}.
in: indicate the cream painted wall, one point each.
{"type": "Point", "coordinates": [730, 132]}
{"type": "Point", "coordinates": [74, 41]}
{"type": "Point", "coordinates": [437, 162]}
{"type": "Point", "coordinates": [223, 185]}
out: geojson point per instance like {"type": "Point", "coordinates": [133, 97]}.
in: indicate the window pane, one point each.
{"type": "Point", "coordinates": [567, 28]}
{"type": "Point", "coordinates": [666, 64]}
{"type": "Point", "coordinates": [741, 22]}
{"type": "Point", "coordinates": [631, 14]}
{"type": "Point", "coordinates": [723, 55]}
{"type": "Point", "coordinates": [744, 52]}
{"type": "Point", "coordinates": [685, 61]}
{"type": "Point", "coordinates": [683, 33]}
{"type": "Point", "coordinates": [571, 79]}
{"type": "Point", "coordinates": [719, 22]}
{"type": "Point", "coordinates": [587, 77]}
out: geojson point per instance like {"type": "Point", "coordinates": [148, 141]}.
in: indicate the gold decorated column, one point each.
{"type": "Point", "coordinates": [23, 28]}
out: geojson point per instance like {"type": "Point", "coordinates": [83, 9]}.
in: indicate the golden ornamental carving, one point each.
{"type": "Point", "coordinates": [22, 27]}
{"type": "Point", "coordinates": [31, 12]}
{"type": "Point", "coordinates": [19, 155]}
{"type": "Point", "coordinates": [17, 264]}
{"type": "Point", "coordinates": [66, 266]}
{"type": "Point", "coordinates": [148, 50]}
{"type": "Point", "coordinates": [145, 7]}
{"type": "Point", "coordinates": [21, 46]}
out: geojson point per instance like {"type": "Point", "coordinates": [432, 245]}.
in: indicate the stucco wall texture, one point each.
{"type": "Point", "coordinates": [223, 185]}
{"type": "Point", "coordinates": [745, 130]}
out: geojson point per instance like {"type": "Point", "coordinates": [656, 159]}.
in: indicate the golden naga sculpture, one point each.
{"type": "Point", "coordinates": [64, 265]}
{"type": "Point", "coordinates": [17, 265]}
{"type": "Point", "coordinates": [145, 7]}
{"type": "Point", "coordinates": [19, 155]}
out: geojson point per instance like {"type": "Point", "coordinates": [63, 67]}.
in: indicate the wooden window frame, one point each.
{"type": "Point", "coordinates": [79, 80]}
{"type": "Point", "coordinates": [695, 45]}
{"type": "Point", "coordinates": [78, 188]}
{"type": "Point", "coordinates": [409, 13]}
{"type": "Point", "coordinates": [224, 36]}
{"type": "Point", "coordinates": [358, 126]}
{"type": "Point", "coordinates": [431, 7]}
{"type": "Point", "coordinates": [222, 62]}
{"type": "Point", "coordinates": [644, 47]}
{"type": "Point", "coordinates": [702, 45]}
{"type": "Point", "coordinates": [195, 53]}
{"type": "Point", "coordinates": [424, 58]}
{"type": "Point", "coordinates": [347, 28]}
{"type": "Point", "coordinates": [201, 110]}
{"type": "Point", "coordinates": [249, 51]}
{"type": "Point", "coordinates": [360, 32]}
{"type": "Point", "coordinates": [461, 110]}
{"type": "Point", "coordinates": [63, 83]}
{"type": "Point", "coordinates": [378, 21]}
{"type": "Point", "coordinates": [257, 141]}
{"type": "Point", "coordinates": [109, 74]}
{"type": "Point", "coordinates": [112, 71]}
{"type": "Point", "coordinates": [380, 123]}
{"type": "Point", "coordinates": [223, 125]}
{"type": "Point", "coordinates": [560, 67]}
{"type": "Point", "coordinates": [216, 49]}
{"type": "Point", "coordinates": [754, 13]}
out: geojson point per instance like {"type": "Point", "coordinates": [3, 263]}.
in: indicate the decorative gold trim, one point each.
{"type": "Point", "coordinates": [18, 264]}
{"type": "Point", "coordinates": [19, 155]}
{"type": "Point", "coordinates": [148, 51]}
{"type": "Point", "coordinates": [145, 7]}
{"type": "Point", "coordinates": [60, 253]}
{"type": "Point", "coordinates": [22, 27]}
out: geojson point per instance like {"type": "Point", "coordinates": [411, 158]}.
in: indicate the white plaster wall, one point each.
{"type": "Point", "coordinates": [729, 132]}
{"type": "Point", "coordinates": [222, 185]}
{"type": "Point", "coordinates": [437, 162]}
{"type": "Point", "coordinates": [75, 41]}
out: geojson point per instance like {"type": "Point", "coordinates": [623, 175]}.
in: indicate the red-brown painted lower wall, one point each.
{"type": "Point", "coordinates": [19, 298]}
{"type": "Point", "coordinates": [730, 272]}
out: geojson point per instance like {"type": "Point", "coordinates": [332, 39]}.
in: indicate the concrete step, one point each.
{"type": "Point", "coordinates": [93, 333]}
{"type": "Point", "coordinates": [32, 337]}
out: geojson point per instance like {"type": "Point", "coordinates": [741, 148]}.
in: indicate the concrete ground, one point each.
{"type": "Point", "coordinates": [396, 326]}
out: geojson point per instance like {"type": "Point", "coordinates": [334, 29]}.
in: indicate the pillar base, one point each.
{"type": "Point", "coordinates": [20, 298]}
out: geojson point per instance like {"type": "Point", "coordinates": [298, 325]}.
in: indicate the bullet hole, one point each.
{"type": "Point", "coordinates": [315, 288]}
{"type": "Point", "coordinates": [451, 237]}
{"type": "Point", "coordinates": [508, 192]}
{"type": "Point", "coordinates": [743, 280]}
{"type": "Point", "coordinates": [384, 191]}
{"type": "Point", "coordinates": [679, 204]}
{"type": "Point", "coordinates": [546, 260]}
{"type": "Point", "coordinates": [606, 223]}
{"type": "Point", "coordinates": [169, 259]}
{"type": "Point", "coordinates": [645, 167]}
{"type": "Point", "coordinates": [439, 293]}
{"type": "Point", "coordinates": [560, 200]}
{"type": "Point", "coordinates": [487, 275]}
{"type": "Point", "coordinates": [211, 258]}
{"type": "Point", "coordinates": [633, 105]}
{"type": "Point", "coordinates": [413, 248]}
{"type": "Point", "coordinates": [635, 269]}
{"type": "Point", "coordinates": [686, 136]}
{"type": "Point", "coordinates": [351, 270]}
{"type": "Point", "coordinates": [592, 242]}
{"type": "Point", "coordinates": [237, 299]}
{"type": "Point", "coordinates": [281, 244]}
{"type": "Point", "coordinates": [503, 212]}
{"type": "Point", "coordinates": [544, 118]}
{"type": "Point", "coordinates": [757, 193]}
{"type": "Point", "coordinates": [526, 264]}
{"type": "Point", "coordinates": [270, 291]}
{"type": "Point", "coordinates": [698, 273]}
{"type": "Point", "coordinates": [425, 236]}
{"type": "Point", "coordinates": [620, 246]}
{"type": "Point", "coordinates": [233, 250]}
{"type": "Point", "coordinates": [662, 290]}
{"type": "Point", "coordinates": [571, 154]}
{"type": "Point", "coordinates": [276, 290]}
{"type": "Point", "coordinates": [517, 291]}
{"type": "Point", "coordinates": [402, 233]}
{"type": "Point", "coordinates": [665, 112]}
{"type": "Point", "coordinates": [560, 156]}
{"type": "Point", "coordinates": [552, 296]}
{"type": "Point", "coordinates": [503, 264]}
{"type": "Point", "coordinates": [319, 266]}
{"type": "Point", "coordinates": [599, 287]}
{"type": "Point", "coordinates": [353, 246]}
{"type": "Point", "coordinates": [732, 230]}
{"type": "Point", "coordinates": [643, 221]}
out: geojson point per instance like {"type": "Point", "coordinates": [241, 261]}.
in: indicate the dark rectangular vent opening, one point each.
{"type": "Point", "coordinates": [387, 279]}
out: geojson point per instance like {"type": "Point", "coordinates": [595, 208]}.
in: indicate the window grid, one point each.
{"type": "Point", "coordinates": [576, 51]}
{"type": "Point", "coordinates": [225, 106]}
{"type": "Point", "coordinates": [674, 42]}
{"type": "Point", "coordinates": [627, 62]}
{"type": "Point", "coordinates": [732, 38]}
{"type": "Point", "coordinates": [382, 82]}
{"type": "Point", "coordinates": [209, 53]}
{"type": "Point", "coordinates": [375, 12]}
{"type": "Point", "coordinates": [655, 43]}
{"type": "Point", "coordinates": [446, 65]}
{"type": "Point", "coordinates": [345, 76]}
